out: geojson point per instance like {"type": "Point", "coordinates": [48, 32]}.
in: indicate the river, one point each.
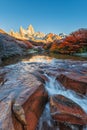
{"type": "Point", "coordinates": [49, 63]}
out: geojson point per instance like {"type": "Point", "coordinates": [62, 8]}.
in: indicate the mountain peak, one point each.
{"type": "Point", "coordinates": [30, 26]}
{"type": "Point", "coordinates": [28, 33]}
{"type": "Point", "coordinates": [31, 30]}
{"type": "Point", "coordinates": [21, 31]}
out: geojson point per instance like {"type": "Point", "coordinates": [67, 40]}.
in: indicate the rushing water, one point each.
{"type": "Point", "coordinates": [40, 58]}
{"type": "Point", "coordinates": [52, 86]}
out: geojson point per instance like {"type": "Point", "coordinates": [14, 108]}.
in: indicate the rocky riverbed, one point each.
{"type": "Point", "coordinates": [44, 93]}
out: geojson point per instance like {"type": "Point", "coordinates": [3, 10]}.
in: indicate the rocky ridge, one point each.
{"type": "Point", "coordinates": [28, 33]}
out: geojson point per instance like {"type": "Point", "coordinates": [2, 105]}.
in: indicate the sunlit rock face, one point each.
{"type": "Point", "coordinates": [39, 35]}
{"type": "Point", "coordinates": [2, 31]}
{"type": "Point", "coordinates": [30, 30]}
{"type": "Point", "coordinates": [51, 37]}
{"type": "Point", "coordinates": [28, 33]}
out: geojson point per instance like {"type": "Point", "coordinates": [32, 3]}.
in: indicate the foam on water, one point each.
{"type": "Point", "coordinates": [53, 87]}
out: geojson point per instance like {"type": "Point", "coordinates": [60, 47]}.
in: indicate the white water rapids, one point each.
{"type": "Point", "coordinates": [53, 87]}
{"type": "Point", "coordinates": [46, 64]}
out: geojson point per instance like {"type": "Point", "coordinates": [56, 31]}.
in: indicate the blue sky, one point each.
{"type": "Point", "coordinates": [45, 15]}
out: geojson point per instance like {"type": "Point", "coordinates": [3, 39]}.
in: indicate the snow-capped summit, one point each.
{"type": "Point", "coordinates": [63, 35]}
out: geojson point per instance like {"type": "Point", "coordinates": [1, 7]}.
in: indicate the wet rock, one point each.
{"type": "Point", "coordinates": [28, 111]}
{"type": "Point", "coordinates": [34, 107]}
{"type": "Point", "coordinates": [41, 77]}
{"type": "Point", "coordinates": [46, 122]}
{"type": "Point", "coordinates": [6, 113]}
{"type": "Point", "coordinates": [19, 113]}
{"type": "Point", "coordinates": [74, 81]}
{"type": "Point", "coordinates": [22, 99]}
{"type": "Point", "coordinates": [65, 126]}
{"type": "Point", "coordinates": [58, 126]}
{"type": "Point", "coordinates": [2, 79]}
{"type": "Point", "coordinates": [46, 126]}
{"type": "Point", "coordinates": [65, 110]}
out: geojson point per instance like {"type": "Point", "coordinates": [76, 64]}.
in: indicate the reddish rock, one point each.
{"type": "Point", "coordinates": [65, 110]}
{"type": "Point", "coordinates": [37, 43]}
{"type": "Point", "coordinates": [34, 107]}
{"type": "Point", "coordinates": [51, 37]}
{"type": "Point", "coordinates": [22, 101]}
{"type": "Point", "coordinates": [29, 44]}
{"type": "Point", "coordinates": [58, 126]}
{"type": "Point", "coordinates": [64, 126]}
{"type": "Point", "coordinates": [16, 123]}
{"type": "Point", "coordinates": [46, 126]}
{"type": "Point", "coordinates": [2, 79]}
{"type": "Point", "coordinates": [41, 77]}
{"type": "Point", "coordinates": [44, 78]}
{"type": "Point", "coordinates": [29, 111]}
{"type": "Point", "coordinates": [74, 81]}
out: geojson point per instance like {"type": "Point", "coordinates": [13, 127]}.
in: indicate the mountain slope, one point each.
{"type": "Point", "coordinates": [10, 46]}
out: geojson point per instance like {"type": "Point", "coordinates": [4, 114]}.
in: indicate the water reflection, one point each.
{"type": "Point", "coordinates": [39, 58]}
{"type": "Point", "coordinates": [44, 58]}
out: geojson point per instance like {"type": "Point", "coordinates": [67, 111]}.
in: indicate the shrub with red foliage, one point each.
{"type": "Point", "coordinates": [75, 42]}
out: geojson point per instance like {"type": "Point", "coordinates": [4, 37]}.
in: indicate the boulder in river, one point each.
{"type": "Point", "coordinates": [74, 81]}
{"type": "Point", "coordinates": [22, 99]}
{"type": "Point", "coordinates": [65, 110]}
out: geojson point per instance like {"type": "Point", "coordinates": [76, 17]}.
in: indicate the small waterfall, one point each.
{"type": "Point", "coordinates": [45, 117]}
{"type": "Point", "coordinates": [53, 87]}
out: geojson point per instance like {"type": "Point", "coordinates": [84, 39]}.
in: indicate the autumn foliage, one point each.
{"type": "Point", "coordinates": [75, 42]}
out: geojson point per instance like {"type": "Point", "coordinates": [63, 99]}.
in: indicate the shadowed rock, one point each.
{"type": "Point", "coordinates": [65, 110]}
{"type": "Point", "coordinates": [10, 46]}
{"type": "Point", "coordinates": [22, 99]}
{"type": "Point", "coordinates": [74, 81]}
